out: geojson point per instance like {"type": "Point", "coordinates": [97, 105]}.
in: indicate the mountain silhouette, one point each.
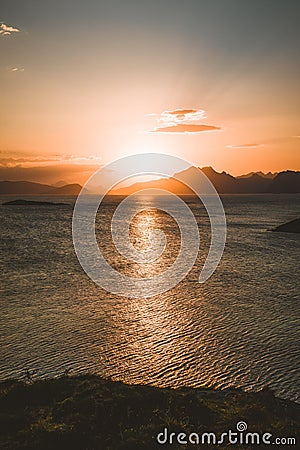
{"type": "Point", "coordinates": [286, 182]}
{"type": "Point", "coordinates": [30, 188]}
{"type": "Point", "coordinates": [224, 183]}
{"type": "Point", "coordinates": [261, 174]}
{"type": "Point", "coordinates": [68, 189]}
{"type": "Point", "coordinates": [254, 184]}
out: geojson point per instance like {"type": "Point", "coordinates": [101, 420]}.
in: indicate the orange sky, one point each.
{"type": "Point", "coordinates": [81, 89]}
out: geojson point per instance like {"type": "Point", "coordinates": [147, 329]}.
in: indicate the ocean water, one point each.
{"type": "Point", "coordinates": [239, 329]}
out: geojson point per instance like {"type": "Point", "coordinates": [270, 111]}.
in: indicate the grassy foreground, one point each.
{"type": "Point", "coordinates": [88, 412]}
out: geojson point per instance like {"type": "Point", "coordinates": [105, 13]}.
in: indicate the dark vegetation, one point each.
{"type": "Point", "coordinates": [88, 412]}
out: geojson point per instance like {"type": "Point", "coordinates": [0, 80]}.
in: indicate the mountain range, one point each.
{"type": "Point", "coordinates": [30, 188]}
{"type": "Point", "coordinates": [253, 183]}
{"type": "Point", "coordinates": [224, 183]}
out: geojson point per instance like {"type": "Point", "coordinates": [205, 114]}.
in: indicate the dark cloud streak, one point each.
{"type": "Point", "coordinates": [186, 128]}
{"type": "Point", "coordinates": [48, 174]}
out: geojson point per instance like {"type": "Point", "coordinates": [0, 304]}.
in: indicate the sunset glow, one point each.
{"type": "Point", "coordinates": [81, 89]}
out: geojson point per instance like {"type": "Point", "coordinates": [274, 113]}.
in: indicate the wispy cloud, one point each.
{"type": "Point", "coordinates": [70, 173]}
{"type": "Point", "coordinates": [182, 121]}
{"type": "Point", "coordinates": [22, 165]}
{"type": "Point", "coordinates": [24, 160]}
{"type": "Point", "coordinates": [245, 146]}
{"type": "Point", "coordinates": [266, 142]}
{"type": "Point", "coordinates": [186, 128]}
{"type": "Point", "coordinates": [17, 69]}
{"type": "Point", "coordinates": [181, 115]}
{"type": "Point", "coordinates": [7, 30]}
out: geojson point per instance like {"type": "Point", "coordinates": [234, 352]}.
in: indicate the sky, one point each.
{"type": "Point", "coordinates": [215, 82]}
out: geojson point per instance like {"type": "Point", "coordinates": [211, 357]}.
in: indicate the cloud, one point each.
{"type": "Point", "coordinates": [182, 112]}
{"type": "Point", "coordinates": [266, 142]}
{"type": "Point", "coordinates": [17, 69]}
{"type": "Point", "coordinates": [7, 30]}
{"type": "Point", "coordinates": [70, 173]}
{"type": "Point", "coordinates": [181, 116]}
{"type": "Point", "coordinates": [22, 160]}
{"type": "Point", "coordinates": [245, 146]}
{"type": "Point", "coordinates": [182, 121]}
{"type": "Point", "coordinates": [186, 128]}
{"type": "Point", "coordinates": [17, 162]}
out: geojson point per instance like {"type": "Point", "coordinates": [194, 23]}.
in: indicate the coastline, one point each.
{"type": "Point", "coordinates": [89, 412]}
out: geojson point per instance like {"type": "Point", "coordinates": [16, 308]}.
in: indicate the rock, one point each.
{"type": "Point", "coordinates": [290, 227]}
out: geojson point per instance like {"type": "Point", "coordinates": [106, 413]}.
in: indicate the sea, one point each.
{"type": "Point", "coordinates": [240, 329]}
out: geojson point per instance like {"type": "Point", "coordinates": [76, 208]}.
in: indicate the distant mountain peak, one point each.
{"type": "Point", "coordinates": [208, 169]}
{"type": "Point", "coordinates": [287, 181]}
{"type": "Point", "coordinates": [60, 183]}
{"type": "Point", "coordinates": [269, 175]}
{"type": "Point", "coordinates": [31, 188]}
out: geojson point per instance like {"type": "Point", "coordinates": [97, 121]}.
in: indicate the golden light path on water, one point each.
{"type": "Point", "coordinates": [238, 329]}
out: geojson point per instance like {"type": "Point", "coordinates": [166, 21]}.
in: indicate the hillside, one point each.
{"type": "Point", "coordinates": [68, 189]}
{"type": "Point", "coordinates": [284, 182]}
{"type": "Point", "coordinates": [261, 174]}
{"type": "Point", "coordinates": [30, 188]}
{"type": "Point", "coordinates": [91, 413]}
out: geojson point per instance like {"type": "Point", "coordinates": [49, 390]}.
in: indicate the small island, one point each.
{"type": "Point", "coordinates": [290, 227]}
{"type": "Point", "coordinates": [21, 202]}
